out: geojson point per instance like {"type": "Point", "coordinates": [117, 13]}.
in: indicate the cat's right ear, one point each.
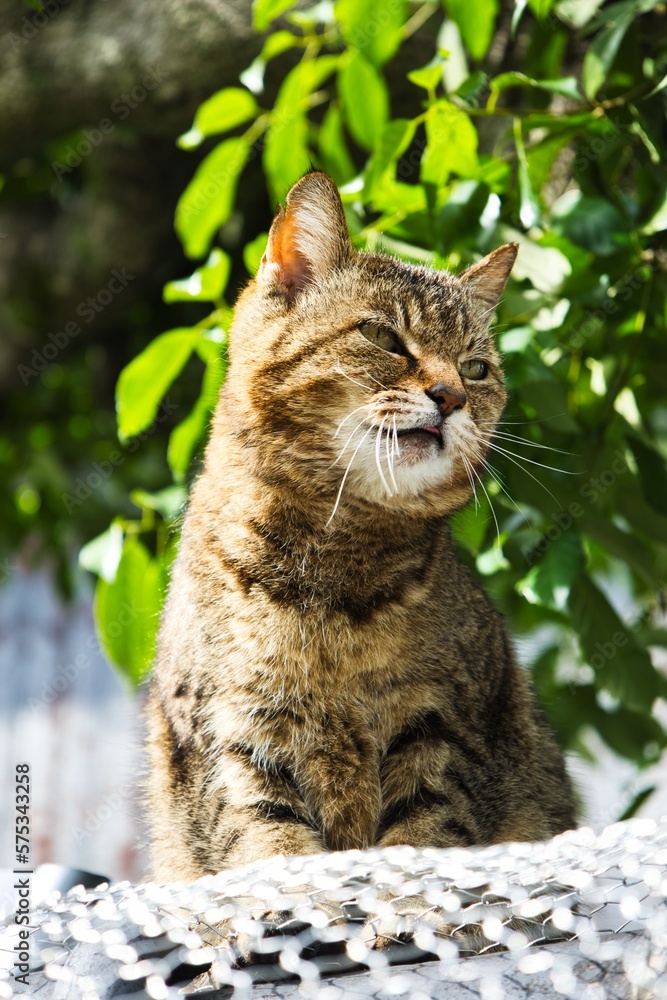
{"type": "Point", "coordinates": [308, 238]}
{"type": "Point", "coordinates": [487, 278]}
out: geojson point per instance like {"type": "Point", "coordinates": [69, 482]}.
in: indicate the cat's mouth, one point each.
{"type": "Point", "coordinates": [429, 433]}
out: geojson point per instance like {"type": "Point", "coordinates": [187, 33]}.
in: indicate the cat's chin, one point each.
{"type": "Point", "coordinates": [424, 472]}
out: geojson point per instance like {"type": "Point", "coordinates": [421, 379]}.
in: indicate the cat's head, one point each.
{"type": "Point", "coordinates": [359, 378]}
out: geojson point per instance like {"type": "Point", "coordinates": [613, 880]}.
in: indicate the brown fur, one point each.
{"type": "Point", "coordinates": [329, 682]}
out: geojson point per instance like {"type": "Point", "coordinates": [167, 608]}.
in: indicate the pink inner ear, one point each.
{"type": "Point", "coordinates": [283, 251]}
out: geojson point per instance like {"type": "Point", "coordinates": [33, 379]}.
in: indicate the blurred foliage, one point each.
{"type": "Point", "coordinates": [566, 157]}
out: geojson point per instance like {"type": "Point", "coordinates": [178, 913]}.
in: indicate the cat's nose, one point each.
{"type": "Point", "coordinates": [446, 398]}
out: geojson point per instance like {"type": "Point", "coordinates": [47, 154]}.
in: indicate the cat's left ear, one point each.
{"type": "Point", "coordinates": [308, 238]}
{"type": "Point", "coordinates": [487, 278]}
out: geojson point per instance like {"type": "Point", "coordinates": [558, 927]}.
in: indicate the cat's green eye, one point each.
{"type": "Point", "coordinates": [474, 369]}
{"type": "Point", "coordinates": [383, 337]}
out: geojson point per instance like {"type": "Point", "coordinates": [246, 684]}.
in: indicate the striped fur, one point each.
{"type": "Point", "coordinates": [329, 675]}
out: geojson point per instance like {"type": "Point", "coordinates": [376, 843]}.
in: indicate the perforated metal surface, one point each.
{"type": "Point", "coordinates": [583, 916]}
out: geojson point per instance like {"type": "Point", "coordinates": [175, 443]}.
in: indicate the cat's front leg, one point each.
{"type": "Point", "coordinates": [248, 835]}
{"type": "Point", "coordinates": [253, 838]}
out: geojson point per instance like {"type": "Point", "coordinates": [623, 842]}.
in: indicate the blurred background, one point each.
{"type": "Point", "coordinates": [450, 127]}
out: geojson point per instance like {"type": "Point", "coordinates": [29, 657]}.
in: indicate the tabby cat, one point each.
{"type": "Point", "coordinates": [328, 674]}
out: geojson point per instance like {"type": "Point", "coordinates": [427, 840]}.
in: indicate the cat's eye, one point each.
{"type": "Point", "coordinates": [474, 369]}
{"type": "Point", "coordinates": [383, 337]}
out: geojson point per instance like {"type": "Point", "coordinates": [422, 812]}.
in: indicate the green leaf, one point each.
{"type": "Point", "coordinates": [374, 27]}
{"type": "Point", "coordinates": [622, 545]}
{"type": "Point", "coordinates": [223, 111]}
{"type": "Point", "coordinates": [621, 666]}
{"type": "Point", "coordinates": [393, 141]}
{"type": "Point", "coordinates": [168, 502]}
{"type": "Point", "coordinates": [127, 610]}
{"type": "Point", "coordinates": [266, 11]}
{"type": "Point", "coordinates": [459, 218]}
{"type": "Point", "coordinates": [637, 802]}
{"type": "Point", "coordinates": [516, 339]}
{"type": "Point", "coordinates": [208, 200]}
{"type": "Point", "coordinates": [632, 735]}
{"type": "Point", "coordinates": [548, 583]}
{"type": "Point", "coordinates": [567, 87]}
{"type": "Point", "coordinates": [529, 208]}
{"type": "Point", "coordinates": [493, 560]}
{"type": "Point", "coordinates": [277, 43]}
{"type": "Point", "coordinates": [429, 76]}
{"type": "Point", "coordinates": [591, 222]}
{"type": "Point", "coordinates": [658, 221]}
{"type": "Point", "coordinates": [395, 196]}
{"type": "Point", "coordinates": [495, 173]}
{"type": "Point", "coordinates": [332, 146]}
{"type": "Point", "coordinates": [321, 13]}
{"type": "Point", "coordinates": [577, 13]}
{"type": "Point", "coordinates": [452, 145]}
{"type": "Point", "coordinates": [642, 517]}
{"type": "Point", "coordinates": [472, 88]}
{"type": "Point", "coordinates": [253, 253]}
{"type": "Point", "coordinates": [286, 157]}
{"type": "Point", "coordinates": [187, 435]}
{"type": "Point", "coordinates": [206, 284]}
{"type": "Point", "coordinates": [364, 98]}
{"type": "Point", "coordinates": [604, 48]}
{"type": "Point", "coordinates": [102, 555]}
{"type": "Point", "coordinates": [540, 8]}
{"type": "Point", "coordinates": [144, 382]}
{"type": "Point", "coordinates": [652, 473]}
{"type": "Point", "coordinates": [548, 397]}
{"type": "Point", "coordinates": [545, 267]}
{"type": "Point", "coordinates": [470, 525]}
{"type": "Point", "coordinates": [212, 343]}
{"type": "Point", "coordinates": [476, 21]}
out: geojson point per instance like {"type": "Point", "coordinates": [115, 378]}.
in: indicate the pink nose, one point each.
{"type": "Point", "coordinates": [446, 398]}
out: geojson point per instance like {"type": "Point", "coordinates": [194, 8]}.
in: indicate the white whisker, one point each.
{"type": "Point", "coordinates": [339, 371]}
{"type": "Point", "coordinates": [481, 483]}
{"type": "Point", "coordinates": [512, 423]}
{"type": "Point", "coordinates": [466, 464]}
{"type": "Point", "coordinates": [349, 466]}
{"type": "Point", "coordinates": [495, 475]}
{"type": "Point", "coordinates": [529, 473]}
{"type": "Point", "coordinates": [377, 381]}
{"type": "Point", "coordinates": [345, 419]}
{"type": "Point", "coordinates": [344, 448]}
{"type": "Point", "coordinates": [521, 440]}
{"type": "Point", "coordinates": [378, 440]}
{"type": "Point", "coordinates": [389, 441]}
{"type": "Point", "coordinates": [532, 461]}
